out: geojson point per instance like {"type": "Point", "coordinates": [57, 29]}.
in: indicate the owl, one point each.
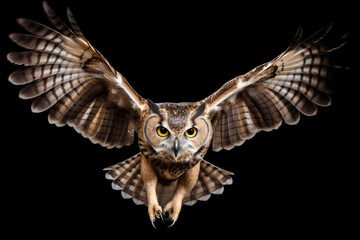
{"type": "Point", "coordinates": [66, 75]}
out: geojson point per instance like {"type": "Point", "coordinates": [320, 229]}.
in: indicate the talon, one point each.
{"type": "Point", "coordinates": [173, 222]}
{"type": "Point", "coordinates": [152, 222]}
{"type": "Point", "coordinates": [161, 216]}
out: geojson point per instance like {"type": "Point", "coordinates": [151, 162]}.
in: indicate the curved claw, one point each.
{"type": "Point", "coordinates": [152, 222]}
{"type": "Point", "coordinates": [173, 222]}
{"type": "Point", "coordinates": [161, 216]}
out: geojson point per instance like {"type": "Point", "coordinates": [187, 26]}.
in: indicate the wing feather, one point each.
{"type": "Point", "coordinates": [63, 73]}
{"type": "Point", "coordinates": [235, 138]}
{"type": "Point", "coordinates": [57, 22]}
{"type": "Point", "coordinates": [225, 131]}
{"type": "Point", "coordinates": [74, 24]}
{"type": "Point", "coordinates": [71, 108]}
{"type": "Point", "coordinates": [296, 81]}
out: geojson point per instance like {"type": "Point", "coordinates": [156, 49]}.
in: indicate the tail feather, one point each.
{"type": "Point", "coordinates": [126, 177]}
{"type": "Point", "coordinates": [211, 181]}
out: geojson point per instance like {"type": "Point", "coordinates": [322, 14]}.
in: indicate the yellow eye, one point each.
{"type": "Point", "coordinates": [162, 132]}
{"type": "Point", "coordinates": [191, 132]}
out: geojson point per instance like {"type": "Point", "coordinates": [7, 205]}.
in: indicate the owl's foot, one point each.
{"type": "Point", "coordinates": [155, 212]}
{"type": "Point", "coordinates": [158, 216]}
{"type": "Point", "coordinates": [168, 218]}
{"type": "Point", "coordinates": [172, 210]}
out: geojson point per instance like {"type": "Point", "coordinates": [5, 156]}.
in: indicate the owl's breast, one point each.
{"type": "Point", "coordinates": [168, 169]}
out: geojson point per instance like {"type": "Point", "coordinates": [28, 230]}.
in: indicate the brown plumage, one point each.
{"type": "Point", "coordinates": [66, 75]}
{"type": "Point", "coordinates": [126, 177]}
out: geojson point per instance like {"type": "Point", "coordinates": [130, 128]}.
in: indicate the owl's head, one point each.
{"type": "Point", "coordinates": [177, 131]}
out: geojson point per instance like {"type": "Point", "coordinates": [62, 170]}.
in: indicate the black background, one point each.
{"type": "Point", "coordinates": [296, 181]}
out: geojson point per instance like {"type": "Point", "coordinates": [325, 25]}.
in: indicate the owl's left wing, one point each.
{"type": "Point", "coordinates": [67, 75]}
{"type": "Point", "coordinates": [294, 82]}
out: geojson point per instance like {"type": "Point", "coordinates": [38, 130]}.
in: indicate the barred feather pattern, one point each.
{"type": "Point", "coordinates": [295, 82]}
{"type": "Point", "coordinates": [126, 177]}
{"type": "Point", "coordinates": [63, 73]}
{"type": "Point", "coordinates": [212, 180]}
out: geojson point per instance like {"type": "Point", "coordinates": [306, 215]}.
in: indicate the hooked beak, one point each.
{"type": "Point", "coordinates": [176, 146]}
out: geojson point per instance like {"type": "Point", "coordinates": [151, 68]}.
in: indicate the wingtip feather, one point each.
{"type": "Point", "coordinates": [16, 79]}
{"type": "Point", "coordinates": [12, 36]}
{"type": "Point", "coordinates": [10, 57]}
{"type": "Point", "coordinates": [46, 6]}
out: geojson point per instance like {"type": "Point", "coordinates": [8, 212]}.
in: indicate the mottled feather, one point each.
{"type": "Point", "coordinates": [126, 177]}
{"type": "Point", "coordinates": [67, 75]}
{"type": "Point", "coordinates": [297, 81]}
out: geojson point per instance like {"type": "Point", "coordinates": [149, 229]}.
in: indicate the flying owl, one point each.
{"type": "Point", "coordinates": [65, 74]}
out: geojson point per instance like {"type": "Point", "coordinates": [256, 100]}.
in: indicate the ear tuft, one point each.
{"type": "Point", "coordinates": [199, 110]}
{"type": "Point", "coordinates": [154, 107]}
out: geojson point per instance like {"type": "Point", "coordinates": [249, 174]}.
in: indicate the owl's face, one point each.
{"type": "Point", "coordinates": [177, 131]}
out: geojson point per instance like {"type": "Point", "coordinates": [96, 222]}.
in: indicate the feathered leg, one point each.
{"type": "Point", "coordinates": [150, 181]}
{"type": "Point", "coordinates": [185, 184]}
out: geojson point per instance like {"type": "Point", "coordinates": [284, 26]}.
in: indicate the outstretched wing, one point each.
{"type": "Point", "coordinates": [294, 82]}
{"type": "Point", "coordinates": [67, 75]}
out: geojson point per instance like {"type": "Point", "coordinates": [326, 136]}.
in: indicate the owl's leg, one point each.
{"type": "Point", "coordinates": [150, 180]}
{"type": "Point", "coordinates": [185, 184]}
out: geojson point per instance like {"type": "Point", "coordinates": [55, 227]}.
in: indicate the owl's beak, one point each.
{"type": "Point", "coordinates": [176, 146]}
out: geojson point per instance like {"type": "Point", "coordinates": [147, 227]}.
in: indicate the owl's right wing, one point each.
{"type": "Point", "coordinates": [297, 81]}
{"type": "Point", "coordinates": [65, 74]}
